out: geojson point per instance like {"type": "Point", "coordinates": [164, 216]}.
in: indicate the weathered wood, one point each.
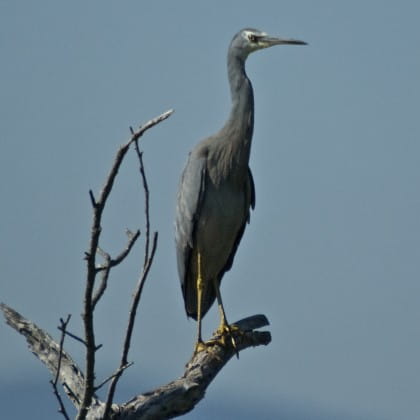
{"type": "Point", "coordinates": [47, 350]}
{"type": "Point", "coordinates": [181, 396]}
{"type": "Point", "coordinates": [171, 400]}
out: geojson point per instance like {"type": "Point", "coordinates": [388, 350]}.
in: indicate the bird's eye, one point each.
{"type": "Point", "coordinates": [252, 38]}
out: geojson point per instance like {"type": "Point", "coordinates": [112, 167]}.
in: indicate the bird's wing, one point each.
{"type": "Point", "coordinates": [249, 203]}
{"type": "Point", "coordinates": [188, 208]}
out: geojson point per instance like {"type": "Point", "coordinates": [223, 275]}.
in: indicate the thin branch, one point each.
{"type": "Point", "coordinates": [118, 372]}
{"type": "Point", "coordinates": [104, 281]}
{"type": "Point", "coordinates": [146, 202]}
{"type": "Point", "coordinates": [92, 199]}
{"type": "Point", "coordinates": [132, 238]}
{"type": "Point", "coordinates": [102, 253]}
{"type": "Point", "coordinates": [137, 134]}
{"type": "Point", "coordinates": [105, 269]}
{"type": "Point", "coordinates": [63, 328]}
{"type": "Point", "coordinates": [89, 300]}
{"type": "Point", "coordinates": [136, 300]}
{"type": "Point", "coordinates": [72, 395]}
{"type": "Point", "coordinates": [73, 336]}
{"type": "Point", "coordinates": [148, 260]}
{"type": "Point", "coordinates": [130, 327]}
{"type": "Point", "coordinates": [62, 409]}
{"type": "Point", "coordinates": [54, 382]}
{"type": "Point", "coordinates": [47, 350]}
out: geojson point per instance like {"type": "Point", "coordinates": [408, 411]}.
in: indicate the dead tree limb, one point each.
{"type": "Point", "coordinates": [54, 382]}
{"type": "Point", "coordinates": [149, 254]}
{"type": "Point", "coordinates": [91, 298]}
{"type": "Point", "coordinates": [171, 400]}
{"type": "Point", "coordinates": [47, 350]}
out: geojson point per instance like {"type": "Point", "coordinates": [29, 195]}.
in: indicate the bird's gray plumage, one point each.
{"type": "Point", "coordinates": [216, 191]}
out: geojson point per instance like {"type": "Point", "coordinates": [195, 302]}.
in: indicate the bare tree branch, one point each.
{"type": "Point", "coordinates": [73, 336]}
{"type": "Point", "coordinates": [181, 396]}
{"type": "Point", "coordinates": [104, 281]}
{"type": "Point", "coordinates": [137, 134]}
{"type": "Point", "coordinates": [146, 202]}
{"type": "Point", "coordinates": [148, 260]}
{"type": "Point", "coordinates": [113, 262]}
{"type": "Point", "coordinates": [48, 351]}
{"type": "Point", "coordinates": [118, 372]}
{"type": "Point", "coordinates": [105, 268]}
{"type": "Point", "coordinates": [132, 238]}
{"type": "Point", "coordinates": [54, 382]}
{"type": "Point", "coordinates": [90, 300]}
{"type": "Point", "coordinates": [130, 327]}
{"type": "Point", "coordinates": [171, 400]}
{"type": "Point", "coordinates": [63, 334]}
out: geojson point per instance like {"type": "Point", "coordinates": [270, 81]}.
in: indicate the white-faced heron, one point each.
{"type": "Point", "coordinates": [217, 190]}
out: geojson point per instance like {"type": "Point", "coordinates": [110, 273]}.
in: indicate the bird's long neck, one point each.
{"type": "Point", "coordinates": [240, 124]}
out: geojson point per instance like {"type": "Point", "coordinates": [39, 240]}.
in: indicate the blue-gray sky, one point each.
{"type": "Point", "coordinates": [332, 254]}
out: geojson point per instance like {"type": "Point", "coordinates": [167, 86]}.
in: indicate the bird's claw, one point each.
{"type": "Point", "coordinates": [225, 331]}
{"type": "Point", "coordinates": [200, 346]}
{"type": "Point", "coordinates": [223, 336]}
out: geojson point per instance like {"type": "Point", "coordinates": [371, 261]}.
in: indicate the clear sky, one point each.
{"type": "Point", "coordinates": [332, 254]}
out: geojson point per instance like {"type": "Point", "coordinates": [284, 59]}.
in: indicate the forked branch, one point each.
{"type": "Point", "coordinates": [91, 298]}
{"type": "Point", "coordinates": [171, 400]}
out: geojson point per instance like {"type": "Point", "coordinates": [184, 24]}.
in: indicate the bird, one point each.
{"type": "Point", "coordinates": [216, 192]}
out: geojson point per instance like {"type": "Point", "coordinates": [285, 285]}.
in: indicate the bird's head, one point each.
{"type": "Point", "coordinates": [249, 40]}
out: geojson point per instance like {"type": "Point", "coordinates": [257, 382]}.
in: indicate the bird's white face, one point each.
{"type": "Point", "coordinates": [255, 39]}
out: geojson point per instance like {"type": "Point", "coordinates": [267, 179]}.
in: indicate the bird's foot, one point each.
{"type": "Point", "coordinates": [225, 336]}
{"type": "Point", "coordinates": [200, 346]}
{"type": "Point", "coordinates": [226, 329]}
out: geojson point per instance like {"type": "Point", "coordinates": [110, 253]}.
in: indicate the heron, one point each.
{"type": "Point", "coordinates": [216, 191]}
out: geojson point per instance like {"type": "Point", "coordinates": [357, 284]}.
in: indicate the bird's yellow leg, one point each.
{"type": "Point", "coordinates": [224, 327]}
{"type": "Point", "coordinates": [199, 346]}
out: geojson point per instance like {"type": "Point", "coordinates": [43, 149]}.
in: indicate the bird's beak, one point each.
{"type": "Point", "coordinates": [268, 41]}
